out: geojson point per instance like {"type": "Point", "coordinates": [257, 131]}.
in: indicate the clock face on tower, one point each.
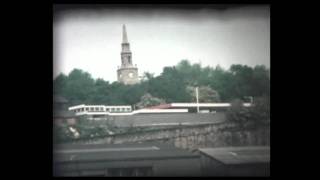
{"type": "Point", "coordinates": [130, 75]}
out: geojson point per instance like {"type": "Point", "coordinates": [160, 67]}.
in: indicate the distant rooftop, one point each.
{"type": "Point", "coordinates": [239, 155]}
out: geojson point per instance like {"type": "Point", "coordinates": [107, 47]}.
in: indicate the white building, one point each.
{"type": "Point", "coordinates": [102, 110]}
{"type": "Point", "coordinates": [99, 109]}
{"type": "Point", "coordinates": [203, 107]}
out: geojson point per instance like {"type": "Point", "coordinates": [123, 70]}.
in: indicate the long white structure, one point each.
{"type": "Point", "coordinates": [199, 107]}
{"type": "Point", "coordinates": [205, 105]}
{"type": "Point", "coordinates": [101, 110]}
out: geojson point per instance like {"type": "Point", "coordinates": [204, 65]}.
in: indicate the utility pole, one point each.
{"type": "Point", "coordinates": [197, 96]}
{"type": "Point", "coordinates": [251, 99]}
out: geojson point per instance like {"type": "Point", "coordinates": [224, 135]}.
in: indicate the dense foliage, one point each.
{"type": "Point", "coordinates": [172, 85]}
{"type": "Point", "coordinates": [250, 118]}
{"type": "Point", "coordinates": [147, 100]}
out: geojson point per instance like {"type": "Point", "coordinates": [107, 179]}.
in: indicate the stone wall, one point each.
{"type": "Point", "coordinates": [194, 136]}
{"type": "Point", "coordinates": [166, 118]}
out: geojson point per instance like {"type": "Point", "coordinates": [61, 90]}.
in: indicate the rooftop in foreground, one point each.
{"type": "Point", "coordinates": [239, 155]}
{"type": "Point", "coordinates": [115, 152]}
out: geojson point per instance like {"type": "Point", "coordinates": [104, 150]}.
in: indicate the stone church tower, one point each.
{"type": "Point", "coordinates": [127, 73]}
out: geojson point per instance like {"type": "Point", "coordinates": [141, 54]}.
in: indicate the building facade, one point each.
{"type": "Point", "coordinates": [127, 73]}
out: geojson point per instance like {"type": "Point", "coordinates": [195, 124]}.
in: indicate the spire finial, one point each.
{"type": "Point", "coordinates": [124, 34]}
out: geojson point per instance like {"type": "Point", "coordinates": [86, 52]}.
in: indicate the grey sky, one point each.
{"type": "Point", "coordinates": [91, 39]}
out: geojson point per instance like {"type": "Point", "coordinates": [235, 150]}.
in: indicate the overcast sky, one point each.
{"type": "Point", "coordinates": [91, 39]}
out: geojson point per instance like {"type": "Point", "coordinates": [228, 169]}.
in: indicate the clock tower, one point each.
{"type": "Point", "coordinates": [127, 73]}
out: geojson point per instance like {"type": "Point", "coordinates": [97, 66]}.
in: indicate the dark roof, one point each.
{"type": "Point", "coordinates": [63, 114]}
{"type": "Point", "coordinates": [239, 155]}
{"type": "Point", "coordinates": [59, 99]}
{"type": "Point", "coordinates": [116, 152]}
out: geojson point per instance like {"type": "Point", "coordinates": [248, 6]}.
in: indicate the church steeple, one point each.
{"type": "Point", "coordinates": [125, 44]}
{"type": "Point", "coordinates": [127, 73]}
{"type": "Point", "coordinates": [124, 35]}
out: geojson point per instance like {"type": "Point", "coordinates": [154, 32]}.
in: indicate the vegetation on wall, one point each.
{"type": "Point", "coordinates": [250, 117]}
{"type": "Point", "coordinates": [148, 100]}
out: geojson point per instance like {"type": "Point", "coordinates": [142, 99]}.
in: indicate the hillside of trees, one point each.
{"type": "Point", "coordinates": [174, 84]}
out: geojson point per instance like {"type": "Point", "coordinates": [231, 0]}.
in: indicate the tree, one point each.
{"type": "Point", "coordinates": [171, 85]}
{"type": "Point", "coordinates": [148, 100]}
{"type": "Point", "coordinates": [250, 117]}
{"type": "Point", "coordinates": [101, 92]}
{"type": "Point", "coordinates": [261, 81]}
{"type": "Point", "coordinates": [206, 94]}
{"type": "Point", "coordinates": [133, 93]}
{"type": "Point", "coordinates": [79, 87]}
{"type": "Point", "coordinates": [243, 80]}
{"type": "Point", "coordinates": [59, 83]}
{"type": "Point", "coordinates": [247, 81]}
{"type": "Point", "coordinates": [147, 76]}
{"type": "Point", "coordinates": [261, 110]}
{"type": "Point", "coordinates": [238, 114]}
{"type": "Point", "coordinates": [185, 69]}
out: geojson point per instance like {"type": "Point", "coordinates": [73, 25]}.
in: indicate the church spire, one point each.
{"type": "Point", "coordinates": [124, 34]}
{"type": "Point", "coordinates": [127, 73]}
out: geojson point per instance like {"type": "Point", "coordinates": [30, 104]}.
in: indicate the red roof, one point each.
{"type": "Point", "coordinates": [161, 106]}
